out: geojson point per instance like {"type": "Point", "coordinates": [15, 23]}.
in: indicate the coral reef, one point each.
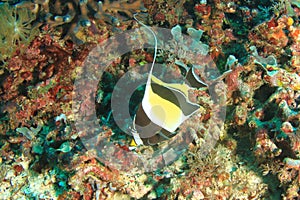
{"type": "Point", "coordinates": [255, 46]}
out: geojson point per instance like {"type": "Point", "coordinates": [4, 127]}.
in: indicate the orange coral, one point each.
{"type": "Point", "coordinates": [278, 37]}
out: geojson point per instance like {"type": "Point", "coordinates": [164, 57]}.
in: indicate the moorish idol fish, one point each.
{"type": "Point", "coordinates": [164, 107]}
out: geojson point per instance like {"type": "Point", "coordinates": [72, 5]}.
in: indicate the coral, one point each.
{"type": "Point", "coordinates": [16, 29]}
{"type": "Point", "coordinates": [75, 17]}
{"type": "Point", "coordinates": [93, 174]}
{"type": "Point", "coordinates": [294, 33]}
{"type": "Point", "coordinates": [30, 72]}
{"type": "Point", "coordinates": [168, 15]}
{"type": "Point", "coordinates": [274, 119]}
{"type": "Point", "coordinates": [289, 177]}
{"type": "Point", "coordinates": [228, 180]}
{"type": "Point", "coordinates": [285, 7]}
{"type": "Point", "coordinates": [19, 181]}
{"type": "Point", "coordinates": [270, 36]}
{"type": "Point", "coordinates": [254, 156]}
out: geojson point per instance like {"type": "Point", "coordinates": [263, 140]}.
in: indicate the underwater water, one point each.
{"type": "Point", "coordinates": [148, 99]}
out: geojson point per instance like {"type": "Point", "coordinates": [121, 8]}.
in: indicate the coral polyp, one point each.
{"type": "Point", "coordinates": [16, 28]}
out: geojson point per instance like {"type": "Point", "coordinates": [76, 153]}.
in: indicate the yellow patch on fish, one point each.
{"type": "Point", "coordinates": [167, 104]}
